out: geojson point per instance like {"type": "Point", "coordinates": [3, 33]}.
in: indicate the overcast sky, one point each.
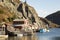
{"type": "Point", "coordinates": [44, 7]}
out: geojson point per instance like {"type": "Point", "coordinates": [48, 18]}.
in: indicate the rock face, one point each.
{"type": "Point", "coordinates": [29, 12]}
{"type": "Point", "coordinates": [21, 11]}
{"type": "Point", "coordinates": [9, 8]}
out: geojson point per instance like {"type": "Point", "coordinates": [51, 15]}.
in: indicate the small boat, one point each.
{"type": "Point", "coordinates": [42, 30]}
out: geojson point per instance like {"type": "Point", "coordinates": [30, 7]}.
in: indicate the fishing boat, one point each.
{"type": "Point", "coordinates": [42, 30]}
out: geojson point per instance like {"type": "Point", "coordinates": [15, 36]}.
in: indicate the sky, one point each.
{"type": "Point", "coordinates": [44, 7]}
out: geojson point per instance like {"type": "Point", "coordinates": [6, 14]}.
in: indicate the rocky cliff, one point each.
{"type": "Point", "coordinates": [10, 10]}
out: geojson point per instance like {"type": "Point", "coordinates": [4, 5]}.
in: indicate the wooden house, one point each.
{"type": "Point", "coordinates": [18, 23]}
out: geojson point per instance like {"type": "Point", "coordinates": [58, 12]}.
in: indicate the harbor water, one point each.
{"type": "Point", "coordinates": [54, 34]}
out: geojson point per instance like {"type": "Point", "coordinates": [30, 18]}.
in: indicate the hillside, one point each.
{"type": "Point", "coordinates": [10, 10]}
{"type": "Point", "coordinates": [5, 14]}
{"type": "Point", "coordinates": [49, 23]}
{"type": "Point", "coordinates": [54, 17]}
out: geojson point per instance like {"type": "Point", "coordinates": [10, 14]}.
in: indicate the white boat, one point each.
{"type": "Point", "coordinates": [43, 30]}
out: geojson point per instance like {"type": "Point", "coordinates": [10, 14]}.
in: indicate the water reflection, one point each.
{"type": "Point", "coordinates": [55, 38]}
{"type": "Point", "coordinates": [23, 38]}
{"type": "Point", "coordinates": [32, 38]}
{"type": "Point", "coordinates": [54, 34]}
{"type": "Point", "coordinates": [49, 38]}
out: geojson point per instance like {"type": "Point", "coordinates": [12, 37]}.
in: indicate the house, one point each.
{"type": "Point", "coordinates": [19, 23]}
